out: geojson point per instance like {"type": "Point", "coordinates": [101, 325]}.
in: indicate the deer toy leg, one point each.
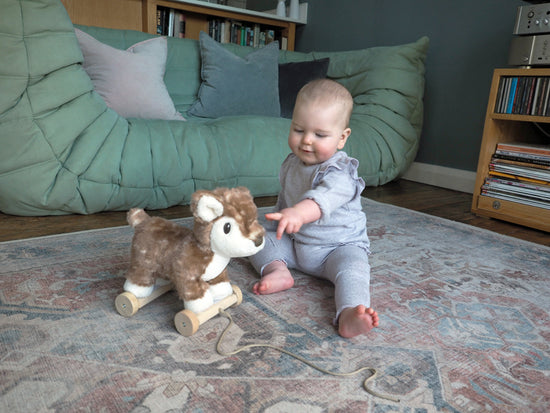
{"type": "Point", "coordinates": [187, 322]}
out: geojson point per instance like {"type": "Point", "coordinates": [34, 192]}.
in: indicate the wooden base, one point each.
{"type": "Point", "coordinates": [187, 322]}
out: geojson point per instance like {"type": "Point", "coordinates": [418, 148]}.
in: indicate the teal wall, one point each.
{"type": "Point", "coordinates": [468, 39]}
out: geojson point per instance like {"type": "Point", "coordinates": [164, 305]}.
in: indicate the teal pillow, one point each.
{"type": "Point", "coordinates": [232, 85]}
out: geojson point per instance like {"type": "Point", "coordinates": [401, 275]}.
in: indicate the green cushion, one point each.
{"type": "Point", "coordinates": [64, 151]}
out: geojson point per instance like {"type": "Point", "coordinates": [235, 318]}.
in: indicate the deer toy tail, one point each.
{"type": "Point", "coordinates": [136, 216]}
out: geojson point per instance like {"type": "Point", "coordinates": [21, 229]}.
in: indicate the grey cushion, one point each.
{"type": "Point", "coordinates": [294, 75]}
{"type": "Point", "coordinates": [232, 85]}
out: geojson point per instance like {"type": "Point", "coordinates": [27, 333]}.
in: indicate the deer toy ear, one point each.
{"type": "Point", "coordinates": [208, 208]}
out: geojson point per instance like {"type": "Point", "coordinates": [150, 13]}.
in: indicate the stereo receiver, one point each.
{"type": "Point", "coordinates": [533, 19]}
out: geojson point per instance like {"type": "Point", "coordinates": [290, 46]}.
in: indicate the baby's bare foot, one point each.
{"type": "Point", "coordinates": [276, 278]}
{"type": "Point", "coordinates": [358, 320]}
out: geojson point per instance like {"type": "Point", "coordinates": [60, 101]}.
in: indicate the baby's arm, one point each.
{"type": "Point", "coordinates": [291, 219]}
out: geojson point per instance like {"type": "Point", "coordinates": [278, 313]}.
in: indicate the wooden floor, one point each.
{"type": "Point", "coordinates": [431, 200]}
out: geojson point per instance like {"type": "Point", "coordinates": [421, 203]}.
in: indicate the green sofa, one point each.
{"type": "Point", "coordinates": [62, 150]}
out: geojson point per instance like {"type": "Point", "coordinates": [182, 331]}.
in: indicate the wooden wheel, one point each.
{"type": "Point", "coordinates": [126, 304]}
{"type": "Point", "coordinates": [186, 323]}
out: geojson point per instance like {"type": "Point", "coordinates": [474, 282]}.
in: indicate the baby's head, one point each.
{"type": "Point", "coordinates": [320, 121]}
{"type": "Point", "coordinates": [327, 93]}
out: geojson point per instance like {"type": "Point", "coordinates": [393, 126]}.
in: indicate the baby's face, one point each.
{"type": "Point", "coordinates": [317, 132]}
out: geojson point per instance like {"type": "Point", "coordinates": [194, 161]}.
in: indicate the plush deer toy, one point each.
{"type": "Point", "coordinates": [195, 260]}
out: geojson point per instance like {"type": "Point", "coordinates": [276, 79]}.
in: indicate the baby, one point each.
{"type": "Point", "coordinates": [321, 227]}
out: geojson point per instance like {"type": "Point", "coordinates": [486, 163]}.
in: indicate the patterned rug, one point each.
{"type": "Point", "coordinates": [464, 327]}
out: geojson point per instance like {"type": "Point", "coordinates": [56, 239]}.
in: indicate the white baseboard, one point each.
{"type": "Point", "coordinates": [450, 178]}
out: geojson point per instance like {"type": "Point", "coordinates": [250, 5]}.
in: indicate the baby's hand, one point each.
{"type": "Point", "coordinates": [290, 220]}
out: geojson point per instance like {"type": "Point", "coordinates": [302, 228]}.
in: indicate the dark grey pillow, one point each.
{"type": "Point", "coordinates": [292, 76]}
{"type": "Point", "coordinates": [232, 85]}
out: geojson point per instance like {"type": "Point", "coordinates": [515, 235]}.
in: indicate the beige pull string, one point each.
{"type": "Point", "coordinates": [373, 371]}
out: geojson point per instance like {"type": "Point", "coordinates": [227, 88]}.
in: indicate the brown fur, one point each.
{"type": "Point", "coordinates": [163, 249]}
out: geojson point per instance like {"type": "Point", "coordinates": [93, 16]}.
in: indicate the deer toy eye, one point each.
{"type": "Point", "coordinates": [227, 228]}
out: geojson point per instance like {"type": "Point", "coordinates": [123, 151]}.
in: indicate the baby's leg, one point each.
{"type": "Point", "coordinates": [272, 262]}
{"type": "Point", "coordinates": [348, 268]}
{"type": "Point", "coordinates": [276, 277]}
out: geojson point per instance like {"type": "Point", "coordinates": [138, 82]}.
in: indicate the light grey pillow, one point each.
{"type": "Point", "coordinates": [232, 85]}
{"type": "Point", "coordinates": [130, 81]}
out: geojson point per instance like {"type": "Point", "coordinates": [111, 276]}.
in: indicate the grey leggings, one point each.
{"type": "Point", "coordinates": [346, 266]}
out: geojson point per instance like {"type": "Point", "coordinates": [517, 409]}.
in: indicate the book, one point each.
{"type": "Point", "coordinates": [256, 35]}
{"type": "Point", "coordinates": [261, 42]}
{"type": "Point", "coordinates": [500, 93]}
{"type": "Point", "coordinates": [534, 161]}
{"type": "Point", "coordinates": [512, 95]}
{"type": "Point", "coordinates": [532, 190]}
{"type": "Point", "coordinates": [541, 103]}
{"type": "Point", "coordinates": [536, 97]}
{"type": "Point", "coordinates": [284, 43]}
{"type": "Point", "coordinates": [544, 103]}
{"type": "Point", "coordinates": [534, 153]}
{"type": "Point", "coordinates": [518, 95]}
{"type": "Point", "coordinates": [524, 148]}
{"type": "Point", "coordinates": [159, 20]}
{"type": "Point", "coordinates": [519, 162]}
{"type": "Point", "coordinates": [269, 36]}
{"type": "Point", "coordinates": [230, 31]}
{"type": "Point", "coordinates": [519, 171]}
{"type": "Point", "coordinates": [514, 198]}
{"type": "Point", "coordinates": [517, 177]}
{"type": "Point", "coordinates": [180, 25]}
{"type": "Point", "coordinates": [171, 22]}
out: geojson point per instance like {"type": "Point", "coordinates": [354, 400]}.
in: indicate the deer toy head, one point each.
{"type": "Point", "coordinates": [226, 222]}
{"type": "Point", "coordinates": [195, 261]}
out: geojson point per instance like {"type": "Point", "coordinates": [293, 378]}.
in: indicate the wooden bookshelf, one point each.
{"type": "Point", "coordinates": [142, 14]}
{"type": "Point", "coordinates": [113, 14]}
{"type": "Point", "coordinates": [501, 127]}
